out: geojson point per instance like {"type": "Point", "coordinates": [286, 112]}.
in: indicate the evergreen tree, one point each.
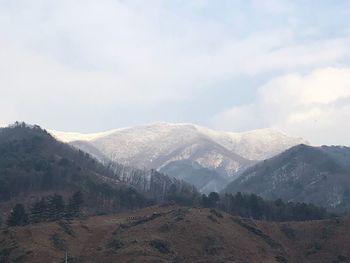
{"type": "Point", "coordinates": [39, 211]}
{"type": "Point", "coordinates": [205, 200]}
{"type": "Point", "coordinates": [74, 204]}
{"type": "Point", "coordinates": [213, 199]}
{"type": "Point", "coordinates": [18, 216]}
{"type": "Point", "coordinates": [55, 207]}
{"type": "Point", "coordinates": [256, 210]}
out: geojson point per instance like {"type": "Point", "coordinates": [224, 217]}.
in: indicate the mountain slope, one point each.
{"type": "Point", "coordinates": [206, 180]}
{"type": "Point", "coordinates": [177, 234]}
{"type": "Point", "coordinates": [34, 164]}
{"type": "Point", "coordinates": [318, 175]}
{"type": "Point", "coordinates": [160, 145]}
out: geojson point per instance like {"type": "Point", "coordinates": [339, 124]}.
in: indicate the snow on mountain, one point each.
{"type": "Point", "coordinates": [157, 145]}
{"type": "Point", "coordinates": [76, 136]}
{"type": "Point", "coordinates": [258, 144]}
{"type": "Point", "coordinates": [162, 137]}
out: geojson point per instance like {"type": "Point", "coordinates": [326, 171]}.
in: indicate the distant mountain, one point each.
{"type": "Point", "coordinates": [318, 175]}
{"type": "Point", "coordinates": [162, 145]}
{"type": "Point", "coordinates": [206, 180]}
{"type": "Point", "coordinates": [34, 164]}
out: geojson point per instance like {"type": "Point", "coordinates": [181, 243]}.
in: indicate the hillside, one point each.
{"type": "Point", "coordinates": [177, 234]}
{"type": "Point", "coordinates": [318, 175]}
{"type": "Point", "coordinates": [33, 164]}
{"type": "Point", "coordinates": [161, 145]}
{"type": "Point", "coordinates": [205, 180]}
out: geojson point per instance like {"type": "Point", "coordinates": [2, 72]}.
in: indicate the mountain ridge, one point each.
{"type": "Point", "coordinates": [156, 145]}
{"type": "Point", "coordinates": [239, 136]}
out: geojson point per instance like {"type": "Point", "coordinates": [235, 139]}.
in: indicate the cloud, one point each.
{"type": "Point", "coordinates": [314, 105]}
{"type": "Point", "coordinates": [83, 60]}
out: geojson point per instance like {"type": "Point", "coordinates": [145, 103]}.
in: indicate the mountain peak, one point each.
{"type": "Point", "coordinates": [161, 145]}
{"type": "Point", "coordinates": [254, 145]}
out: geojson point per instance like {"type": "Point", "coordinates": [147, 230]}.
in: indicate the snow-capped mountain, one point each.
{"type": "Point", "coordinates": [158, 145]}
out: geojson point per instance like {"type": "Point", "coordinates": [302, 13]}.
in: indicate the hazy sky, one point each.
{"type": "Point", "coordinates": [81, 65]}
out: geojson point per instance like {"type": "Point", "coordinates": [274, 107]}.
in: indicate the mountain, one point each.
{"type": "Point", "coordinates": [34, 164]}
{"type": "Point", "coordinates": [162, 145]}
{"type": "Point", "coordinates": [317, 175]}
{"type": "Point", "coordinates": [177, 234]}
{"type": "Point", "coordinates": [206, 180]}
{"type": "Point", "coordinates": [151, 182]}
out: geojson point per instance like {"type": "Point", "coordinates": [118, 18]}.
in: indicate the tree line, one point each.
{"type": "Point", "coordinates": [253, 206]}
{"type": "Point", "coordinates": [53, 207]}
{"type": "Point", "coordinates": [50, 208]}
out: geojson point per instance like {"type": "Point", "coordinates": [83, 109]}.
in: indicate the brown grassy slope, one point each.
{"type": "Point", "coordinates": [177, 234]}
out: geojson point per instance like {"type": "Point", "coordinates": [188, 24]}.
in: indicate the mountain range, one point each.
{"type": "Point", "coordinates": [207, 158]}
{"type": "Point", "coordinates": [175, 223]}
{"type": "Point", "coordinates": [160, 157]}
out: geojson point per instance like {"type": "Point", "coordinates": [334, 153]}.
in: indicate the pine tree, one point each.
{"type": "Point", "coordinates": [18, 216]}
{"type": "Point", "coordinates": [39, 211]}
{"type": "Point", "coordinates": [213, 199]}
{"type": "Point", "coordinates": [205, 201]}
{"type": "Point", "coordinates": [55, 207]}
{"type": "Point", "coordinates": [74, 204]}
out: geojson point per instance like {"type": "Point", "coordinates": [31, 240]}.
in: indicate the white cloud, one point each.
{"type": "Point", "coordinates": [85, 56]}
{"type": "Point", "coordinates": [315, 106]}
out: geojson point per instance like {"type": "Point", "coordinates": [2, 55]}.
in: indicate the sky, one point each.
{"type": "Point", "coordinates": [236, 65]}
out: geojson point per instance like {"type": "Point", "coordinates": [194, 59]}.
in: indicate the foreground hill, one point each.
{"type": "Point", "coordinates": [177, 234]}
{"type": "Point", "coordinates": [318, 175]}
{"type": "Point", "coordinates": [162, 145]}
{"type": "Point", "coordinates": [33, 164]}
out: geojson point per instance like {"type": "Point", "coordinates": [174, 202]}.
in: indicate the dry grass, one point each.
{"type": "Point", "coordinates": [176, 234]}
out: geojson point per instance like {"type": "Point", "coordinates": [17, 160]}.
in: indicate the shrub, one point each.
{"type": "Point", "coordinates": [160, 245]}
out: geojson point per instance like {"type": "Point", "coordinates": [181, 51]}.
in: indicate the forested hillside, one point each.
{"type": "Point", "coordinates": [33, 164]}
{"type": "Point", "coordinates": [317, 175]}
{"type": "Point", "coordinates": [39, 176]}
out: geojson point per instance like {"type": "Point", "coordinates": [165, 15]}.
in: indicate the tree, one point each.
{"type": "Point", "coordinates": [55, 207]}
{"type": "Point", "coordinates": [213, 199]}
{"type": "Point", "coordinates": [74, 204]}
{"type": "Point", "coordinates": [18, 216]}
{"type": "Point", "coordinates": [39, 211]}
{"type": "Point", "coordinates": [256, 210]}
{"type": "Point", "coordinates": [172, 190]}
{"type": "Point", "coordinates": [205, 201]}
